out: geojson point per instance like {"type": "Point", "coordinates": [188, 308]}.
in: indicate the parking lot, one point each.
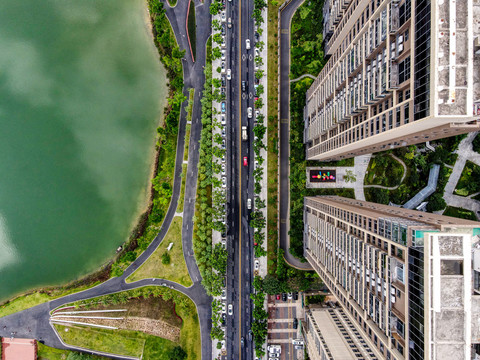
{"type": "Point", "coordinates": [284, 325]}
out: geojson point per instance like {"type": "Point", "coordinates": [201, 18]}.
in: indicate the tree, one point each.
{"type": "Point", "coordinates": [219, 259]}
{"type": "Point", "coordinates": [178, 353]}
{"type": "Point", "coordinates": [436, 202]}
{"type": "Point", "coordinates": [349, 176]}
{"type": "Point", "coordinates": [165, 258]}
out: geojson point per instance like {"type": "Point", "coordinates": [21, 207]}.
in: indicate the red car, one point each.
{"type": "Point", "coordinates": [278, 296]}
{"type": "Point", "coordinates": [245, 161]}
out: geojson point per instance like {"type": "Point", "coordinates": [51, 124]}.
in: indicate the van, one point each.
{"type": "Point", "coordinates": [249, 204]}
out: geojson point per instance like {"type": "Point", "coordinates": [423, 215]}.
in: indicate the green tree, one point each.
{"type": "Point", "coordinates": [178, 353]}
{"type": "Point", "coordinates": [165, 258]}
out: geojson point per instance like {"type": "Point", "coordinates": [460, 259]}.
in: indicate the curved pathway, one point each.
{"type": "Point", "coordinates": [285, 18]}
{"type": "Point", "coordinates": [34, 322]}
{"type": "Point", "coordinates": [303, 76]}
{"type": "Point", "coordinates": [401, 180]}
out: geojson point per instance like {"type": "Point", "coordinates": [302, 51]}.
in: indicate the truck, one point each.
{"type": "Point", "coordinates": [244, 133]}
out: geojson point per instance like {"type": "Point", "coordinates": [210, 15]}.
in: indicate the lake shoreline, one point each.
{"type": "Point", "coordinates": [103, 272]}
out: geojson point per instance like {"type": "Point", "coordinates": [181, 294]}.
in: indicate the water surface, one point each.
{"type": "Point", "coordinates": [80, 94]}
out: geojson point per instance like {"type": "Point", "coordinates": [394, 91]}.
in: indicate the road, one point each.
{"type": "Point", "coordinates": [285, 17]}
{"type": "Point", "coordinates": [34, 322]}
{"type": "Point", "coordinates": [240, 182]}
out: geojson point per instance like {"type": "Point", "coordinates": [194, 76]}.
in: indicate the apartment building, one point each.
{"type": "Point", "coordinates": [408, 280]}
{"type": "Point", "coordinates": [398, 72]}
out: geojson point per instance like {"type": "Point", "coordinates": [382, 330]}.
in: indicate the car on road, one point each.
{"type": "Point", "coordinates": [224, 295]}
{"type": "Point", "coordinates": [222, 120]}
{"type": "Point", "coordinates": [244, 85]}
{"type": "Point", "coordinates": [229, 74]}
{"type": "Point", "coordinates": [278, 296]}
{"type": "Point", "coordinates": [250, 334]}
{"type": "Point", "coordinates": [223, 144]}
{"type": "Point", "coordinates": [222, 65]}
{"type": "Point", "coordinates": [249, 112]}
{"type": "Point", "coordinates": [249, 204]}
{"type": "Point", "coordinates": [223, 169]}
{"type": "Point", "coordinates": [230, 309]}
{"type": "Point", "coordinates": [224, 4]}
{"type": "Point", "coordinates": [245, 161]}
{"type": "Point", "coordinates": [224, 133]}
{"type": "Point", "coordinates": [224, 319]}
{"type": "Point", "coordinates": [295, 295]}
{"type": "Point", "coordinates": [229, 22]}
{"type": "Point", "coordinates": [224, 29]}
{"type": "Point", "coordinates": [224, 308]}
{"type": "Point", "coordinates": [247, 44]}
{"type": "Point", "coordinates": [224, 182]}
{"type": "Point", "coordinates": [224, 17]}
{"type": "Point", "coordinates": [284, 297]}
{"type": "Point", "coordinates": [224, 106]}
{"type": "Point", "coordinates": [224, 81]}
{"type": "Point", "coordinates": [256, 265]}
{"type": "Point", "coordinates": [224, 52]}
{"type": "Point", "coordinates": [290, 296]}
{"type": "Point", "coordinates": [242, 341]}
{"type": "Point", "coordinates": [295, 323]}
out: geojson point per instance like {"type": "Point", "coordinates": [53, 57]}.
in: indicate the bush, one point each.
{"type": "Point", "coordinates": [165, 258]}
{"type": "Point", "coordinates": [476, 144]}
{"type": "Point", "coordinates": [436, 202]}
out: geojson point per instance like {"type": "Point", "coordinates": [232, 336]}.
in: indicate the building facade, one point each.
{"type": "Point", "coordinates": [409, 280]}
{"type": "Point", "coordinates": [399, 72]}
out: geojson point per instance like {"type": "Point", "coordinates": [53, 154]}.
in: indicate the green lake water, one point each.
{"type": "Point", "coordinates": [81, 91]}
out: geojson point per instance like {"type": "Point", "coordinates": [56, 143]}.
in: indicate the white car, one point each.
{"type": "Point", "coordinates": [257, 265]}
{"type": "Point", "coordinates": [224, 182]}
{"type": "Point", "coordinates": [247, 44]}
{"type": "Point", "coordinates": [229, 74]}
{"type": "Point", "coordinates": [223, 54]}
{"type": "Point", "coordinates": [249, 112]}
{"type": "Point", "coordinates": [224, 17]}
{"type": "Point", "coordinates": [224, 308]}
{"type": "Point", "coordinates": [230, 309]}
{"type": "Point", "coordinates": [222, 119]}
{"type": "Point", "coordinates": [223, 169]}
{"type": "Point", "coordinates": [249, 203]}
{"type": "Point", "coordinates": [257, 112]}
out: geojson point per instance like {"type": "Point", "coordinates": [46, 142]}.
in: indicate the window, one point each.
{"type": "Point", "coordinates": [400, 96]}
{"type": "Point", "coordinates": [406, 113]}
{"type": "Point", "coordinates": [452, 267]}
{"type": "Point", "coordinates": [404, 70]}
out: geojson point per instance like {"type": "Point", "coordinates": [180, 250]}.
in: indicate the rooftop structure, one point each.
{"type": "Point", "coordinates": [409, 280]}
{"type": "Point", "coordinates": [399, 72]}
{"type": "Point", "coordinates": [19, 349]}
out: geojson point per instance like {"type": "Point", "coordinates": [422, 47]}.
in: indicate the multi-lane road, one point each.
{"type": "Point", "coordinates": [240, 182]}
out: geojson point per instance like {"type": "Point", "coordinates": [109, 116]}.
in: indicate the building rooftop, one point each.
{"type": "Point", "coordinates": [19, 349]}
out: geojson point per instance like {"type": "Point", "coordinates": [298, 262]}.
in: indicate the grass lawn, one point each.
{"type": "Point", "coordinates": [469, 182]}
{"type": "Point", "coordinates": [29, 300]}
{"type": "Point", "coordinates": [187, 141]}
{"type": "Point", "coordinates": [190, 331]}
{"type": "Point", "coordinates": [459, 213]}
{"type": "Point", "coordinates": [383, 170]}
{"type": "Point", "coordinates": [177, 269]}
{"type": "Point", "coordinates": [49, 353]}
{"type": "Point", "coordinates": [182, 189]}
{"type": "Point", "coordinates": [192, 28]}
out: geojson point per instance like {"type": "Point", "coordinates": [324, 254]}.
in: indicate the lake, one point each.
{"type": "Point", "coordinates": [81, 94]}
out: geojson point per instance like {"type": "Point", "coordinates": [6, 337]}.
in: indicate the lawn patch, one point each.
{"type": "Point", "coordinates": [469, 182]}
{"type": "Point", "coordinates": [192, 34]}
{"type": "Point", "coordinates": [176, 270]}
{"type": "Point", "coordinates": [383, 170]}
{"type": "Point", "coordinates": [182, 189]}
{"type": "Point", "coordinates": [49, 353]}
{"type": "Point", "coordinates": [459, 213]}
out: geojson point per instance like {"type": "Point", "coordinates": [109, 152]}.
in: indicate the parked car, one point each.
{"type": "Point", "coordinates": [278, 296]}
{"type": "Point", "coordinates": [295, 295]}
{"type": "Point", "coordinates": [229, 74]}
{"type": "Point", "coordinates": [224, 182]}
{"type": "Point", "coordinates": [284, 297]}
{"type": "Point", "coordinates": [224, 106]}
{"type": "Point", "coordinates": [222, 120]}
{"type": "Point", "coordinates": [257, 265]}
{"type": "Point", "coordinates": [295, 323]}
{"type": "Point", "coordinates": [290, 296]}
{"type": "Point", "coordinates": [230, 309]}
{"type": "Point", "coordinates": [224, 17]}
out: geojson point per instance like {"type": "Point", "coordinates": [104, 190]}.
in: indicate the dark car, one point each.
{"type": "Point", "coordinates": [244, 86]}
{"type": "Point", "coordinates": [224, 81]}
{"type": "Point", "coordinates": [224, 319]}
{"type": "Point", "coordinates": [250, 334]}
{"type": "Point", "coordinates": [284, 297]}
{"type": "Point", "coordinates": [257, 36]}
{"type": "Point", "coordinates": [295, 323]}
{"type": "Point", "coordinates": [224, 29]}
{"type": "Point", "coordinates": [295, 295]}
{"type": "Point", "coordinates": [257, 80]}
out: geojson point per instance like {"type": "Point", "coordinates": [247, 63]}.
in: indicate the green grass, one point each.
{"type": "Point", "coordinates": [35, 298]}
{"type": "Point", "coordinates": [49, 353]}
{"type": "Point", "coordinates": [383, 170]}
{"type": "Point", "coordinates": [192, 34]}
{"type": "Point", "coordinates": [182, 189]}
{"type": "Point", "coordinates": [469, 182]}
{"type": "Point", "coordinates": [177, 269]}
{"type": "Point", "coordinates": [190, 339]}
{"type": "Point", "coordinates": [119, 342]}
{"type": "Point", "coordinates": [459, 213]}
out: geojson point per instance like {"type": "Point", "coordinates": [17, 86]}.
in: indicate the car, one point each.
{"type": "Point", "coordinates": [224, 182]}
{"type": "Point", "coordinates": [257, 52]}
{"type": "Point", "coordinates": [223, 54]}
{"type": "Point", "coordinates": [245, 161]}
{"type": "Point", "coordinates": [256, 265]}
{"type": "Point", "coordinates": [250, 334]}
{"type": "Point", "coordinates": [257, 112]}
{"type": "Point", "coordinates": [224, 44]}
{"type": "Point", "coordinates": [224, 29]}
{"type": "Point", "coordinates": [229, 74]}
{"type": "Point", "coordinates": [229, 22]}
{"type": "Point", "coordinates": [224, 133]}
{"type": "Point", "coordinates": [224, 17]}
{"type": "Point", "coordinates": [230, 309]}
{"type": "Point", "coordinates": [284, 297]}
{"type": "Point", "coordinates": [224, 4]}
{"type": "Point", "coordinates": [224, 81]}
{"type": "Point", "coordinates": [224, 295]}
{"type": "Point", "coordinates": [295, 323]}
{"type": "Point", "coordinates": [224, 242]}
{"type": "Point", "coordinates": [290, 296]}
{"type": "Point", "coordinates": [224, 319]}
{"type": "Point", "coordinates": [249, 112]}
{"type": "Point", "coordinates": [242, 341]}
{"type": "Point", "coordinates": [247, 44]}
{"type": "Point", "coordinates": [222, 65]}
{"type": "Point", "coordinates": [224, 106]}
{"type": "Point", "coordinates": [257, 80]}
{"type": "Point", "coordinates": [278, 296]}
{"type": "Point", "coordinates": [244, 86]}
{"type": "Point", "coordinates": [164, 284]}
{"type": "Point", "coordinates": [257, 36]}
{"type": "Point", "coordinates": [295, 295]}
{"type": "Point", "coordinates": [224, 308]}
{"type": "Point", "coordinates": [223, 344]}
{"type": "Point", "coordinates": [249, 203]}
{"type": "Point", "coordinates": [223, 144]}
{"type": "Point", "coordinates": [223, 169]}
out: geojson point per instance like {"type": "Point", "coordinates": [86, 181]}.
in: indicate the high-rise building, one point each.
{"type": "Point", "coordinates": [408, 280]}
{"type": "Point", "coordinates": [398, 72]}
